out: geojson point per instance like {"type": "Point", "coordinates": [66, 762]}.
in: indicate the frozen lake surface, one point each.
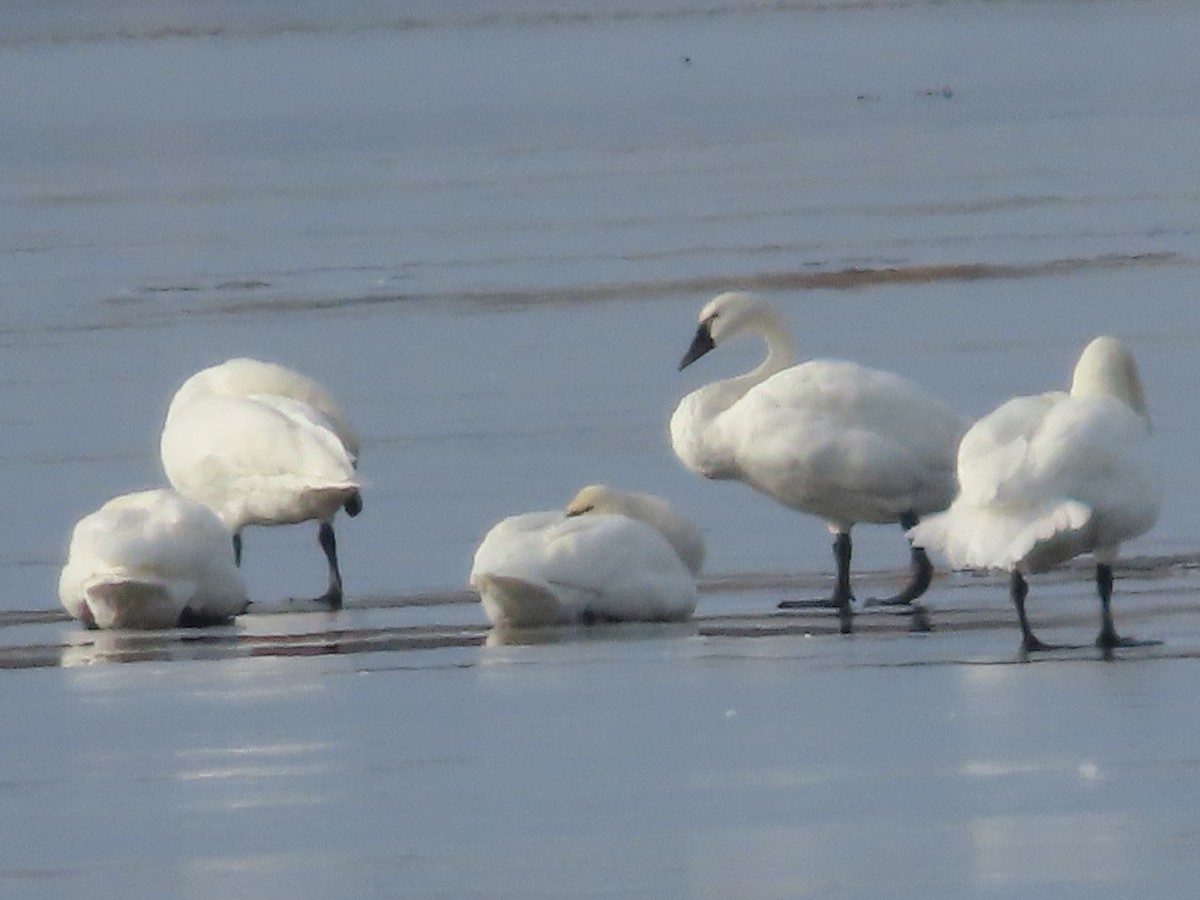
{"type": "Point", "coordinates": [488, 228]}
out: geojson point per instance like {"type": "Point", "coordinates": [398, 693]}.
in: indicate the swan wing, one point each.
{"type": "Point", "coordinates": [863, 399]}
{"type": "Point", "coordinates": [260, 458]}
{"type": "Point", "coordinates": [845, 442]}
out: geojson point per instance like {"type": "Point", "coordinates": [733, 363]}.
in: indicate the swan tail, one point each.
{"type": "Point", "coordinates": [516, 602]}
{"type": "Point", "coordinates": [120, 601]}
{"type": "Point", "coordinates": [998, 538]}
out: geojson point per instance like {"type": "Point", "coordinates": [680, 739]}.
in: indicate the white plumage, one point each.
{"type": "Point", "coordinates": [260, 444]}
{"type": "Point", "coordinates": [611, 556]}
{"type": "Point", "coordinates": [152, 559]}
{"type": "Point", "coordinates": [1048, 477]}
{"type": "Point", "coordinates": [834, 439]}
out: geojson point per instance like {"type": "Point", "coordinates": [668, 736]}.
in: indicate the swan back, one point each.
{"type": "Point", "coordinates": [243, 377]}
{"type": "Point", "coordinates": [148, 560]}
{"type": "Point", "coordinates": [680, 533]}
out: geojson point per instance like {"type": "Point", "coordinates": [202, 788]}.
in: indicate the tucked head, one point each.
{"type": "Point", "coordinates": [1106, 368]}
{"type": "Point", "coordinates": [598, 498]}
{"type": "Point", "coordinates": [654, 511]}
{"type": "Point", "coordinates": [724, 316]}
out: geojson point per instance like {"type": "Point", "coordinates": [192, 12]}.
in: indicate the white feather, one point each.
{"type": "Point", "coordinates": [259, 445]}
{"type": "Point", "coordinates": [144, 560]}
{"type": "Point", "coordinates": [546, 568]}
{"type": "Point", "coordinates": [1048, 477]}
{"type": "Point", "coordinates": [834, 439]}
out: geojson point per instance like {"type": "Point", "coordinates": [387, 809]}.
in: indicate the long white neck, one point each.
{"type": "Point", "coordinates": [698, 444]}
{"type": "Point", "coordinates": [781, 353]}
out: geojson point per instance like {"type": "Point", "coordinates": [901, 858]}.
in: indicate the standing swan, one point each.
{"type": "Point", "coordinates": [153, 559]}
{"type": "Point", "coordinates": [259, 444]}
{"type": "Point", "coordinates": [829, 438]}
{"type": "Point", "coordinates": [612, 556]}
{"type": "Point", "coordinates": [1048, 477]}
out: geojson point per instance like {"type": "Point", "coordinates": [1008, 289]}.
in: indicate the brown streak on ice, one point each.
{"type": "Point", "coordinates": [849, 278]}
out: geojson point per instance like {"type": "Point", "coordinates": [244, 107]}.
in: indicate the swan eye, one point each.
{"type": "Point", "coordinates": [579, 511]}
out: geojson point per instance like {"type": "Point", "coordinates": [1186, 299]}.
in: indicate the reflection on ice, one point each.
{"type": "Point", "coordinates": [91, 647]}
{"type": "Point", "coordinates": [1041, 849]}
{"type": "Point", "coordinates": [501, 636]}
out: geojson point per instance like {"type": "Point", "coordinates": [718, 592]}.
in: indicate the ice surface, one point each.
{"type": "Point", "coordinates": [488, 229]}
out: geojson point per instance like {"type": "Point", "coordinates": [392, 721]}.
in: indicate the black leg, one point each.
{"type": "Point", "coordinates": [1108, 639]}
{"type": "Point", "coordinates": [1108, 636]}
{"type": "Point", "coordinates": [841, 594]}
{"type": "Point", "coordinates": [333, 595]}
{"type": "Point", "coordinates": [237, 549]}
{"type": "Point", "coordinates": [1018, 589]}
{"type": "Point", "coordinates": [920, 571]}
{"type": "Point", "coordinates": [842, 597]}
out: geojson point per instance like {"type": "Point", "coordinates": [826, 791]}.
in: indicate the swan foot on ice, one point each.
{"type": "Point", "coordinates": [1018, 589]}
{"type": "Point", "coordinates": [920, 571]}
{"type": "Point", "coordinates": [843, 599]}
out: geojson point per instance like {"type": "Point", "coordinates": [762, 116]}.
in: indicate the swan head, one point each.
{"type": "Point", "coordinates": [726, 316]}
{"type": "Point", "coordinates": [1106, 368]}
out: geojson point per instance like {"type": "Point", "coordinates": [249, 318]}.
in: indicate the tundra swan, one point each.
{"type": "Point", "coordinates": [260, 444]}
{"type": "Point", "coordinates": [610, 556]}
{"type": "Point", "coordinates": [1045, 478]}
{"type": "Point", "coordinates": [152, 559]}
{"type": "Point", "coordinates": [831, 438]}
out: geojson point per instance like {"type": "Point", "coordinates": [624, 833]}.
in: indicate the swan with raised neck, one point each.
{"type": "Point", "coordinates": [830, 438]}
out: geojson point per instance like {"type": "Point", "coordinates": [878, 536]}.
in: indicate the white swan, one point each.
{"type": "Point", "coordinates": [835, 439]}
{"type": "Point", "coordinates": [1048, 477]}
{"type": "Point", "coordinates": [152, 559]}
{"type": "Point", "coordinates": [259, 444]}
{"type": "Point", "coordinates": [611, 556]}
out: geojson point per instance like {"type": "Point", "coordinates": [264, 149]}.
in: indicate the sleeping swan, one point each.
{"type": "Point", "coordinates": [834, 439]}
{"type": "Point", "coordinates": [1048, 477]}
{"type": "Point", "coordinates": [153, 559]}
{"type": "Point", "coordinates": [259, 444]}
{"type": "Point", "coordinates": [611, 556]}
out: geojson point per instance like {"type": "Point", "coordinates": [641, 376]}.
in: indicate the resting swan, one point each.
{"type": "Point", "coordinates": [259, 444]}
{"type": "Point", "coordinates": [153, 559]}
{"type": "Point", "coordinates": [1048, 477]}
{"type": "Point", "coordinates": [611, 556]}
{"type": "Point", "coordinates": [834, 439]}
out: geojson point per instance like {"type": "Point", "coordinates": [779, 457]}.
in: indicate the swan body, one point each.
{"type": "Point", "coordinates": [610, 556]}
{"type": "Point", "coordinates": [1049, 477]}
{"type": "Point", "coordinates": [152, 559]}
{"type": "Point", "coordinates": [260, 444]}
{"type": "Point", "coordinates": [830, 438]}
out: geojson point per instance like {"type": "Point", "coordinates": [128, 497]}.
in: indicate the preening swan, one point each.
{"type": "Point", "coordinates": [153, 559]}
{"type": "Point", "coordinates": [1048, 477]}
{"type": "Point", "coordinates": [834, 439]}
{"type": "Point", "coordinates": [259, 444]}
{"type": "Point", "coordinates": [610, 556]}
